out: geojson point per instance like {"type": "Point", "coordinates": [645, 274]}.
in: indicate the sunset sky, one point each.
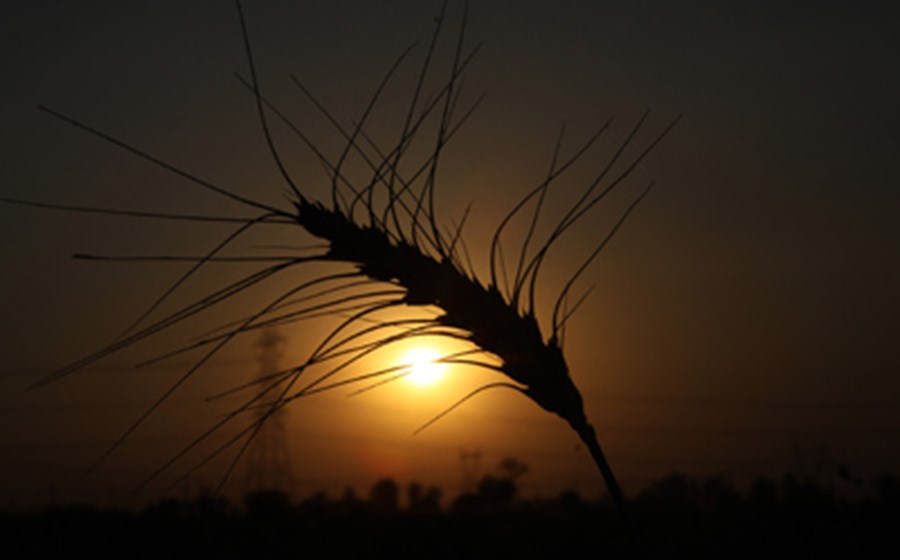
{"type": "Point", "coordinates": [743, 322]}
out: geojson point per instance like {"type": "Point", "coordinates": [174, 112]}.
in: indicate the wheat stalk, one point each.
{"type": "Point", "coordinates": [387, 229]}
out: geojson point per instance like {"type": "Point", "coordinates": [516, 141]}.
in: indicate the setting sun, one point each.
{"type": "Point", "coordinates": [424, 370]}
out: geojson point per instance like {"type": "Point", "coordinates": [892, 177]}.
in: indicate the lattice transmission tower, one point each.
{"type": "Point", "coordinates": [268, 463]}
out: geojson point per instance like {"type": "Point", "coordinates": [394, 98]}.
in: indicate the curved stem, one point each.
{"type": "Point", "coordinates": [589, 437]}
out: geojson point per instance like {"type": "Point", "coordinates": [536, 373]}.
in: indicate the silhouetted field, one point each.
{"type": "Point", "coordinates": [676, 516]}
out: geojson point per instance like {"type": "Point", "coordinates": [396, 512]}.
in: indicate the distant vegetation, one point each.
{"type": "Point", "coordinates": [708, 518]}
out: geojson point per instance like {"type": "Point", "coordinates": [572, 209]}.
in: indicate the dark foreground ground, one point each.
{"type": "Point", "coordinates": [676, 517]}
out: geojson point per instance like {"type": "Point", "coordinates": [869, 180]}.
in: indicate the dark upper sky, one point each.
{"type": "Point", "coordinates": [745, 317]}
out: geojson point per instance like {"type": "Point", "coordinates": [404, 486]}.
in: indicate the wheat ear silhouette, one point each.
{"type": "Point", "coordinates": [397, 255]}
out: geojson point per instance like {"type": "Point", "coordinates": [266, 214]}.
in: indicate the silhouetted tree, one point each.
{"type": "Point", "coordinates": [423, 501]}
{"type": "Point", "coordinates": [349, 502]}
{"type": "Point", "coordinates": [571, 501]}
{"type": "Point", "coordinates": [384, 496]}
{"type": "Point", "coordinates": [512, 468]}
{"type": "Point", "coordinates": [316, 503]}
{"type": "Point", "coordinates": [806, 494]}
{"type": "Point", "coordinates": [266, 503]}
{"type": "Point", "coordinates": [496, 492]}
{"type": "Point", "coordinates": [763, 494]}
{"type": "Point", "coordinates": [718, 494]}
{"type": "Point", "coordinates": [671, 494]}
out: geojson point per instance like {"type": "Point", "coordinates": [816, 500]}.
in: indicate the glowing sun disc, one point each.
{"type": "Point", "coordinates": [423, 369]}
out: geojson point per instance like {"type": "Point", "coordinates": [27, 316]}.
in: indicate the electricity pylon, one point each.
{"type": "Point", "coordinates": [268, 465]}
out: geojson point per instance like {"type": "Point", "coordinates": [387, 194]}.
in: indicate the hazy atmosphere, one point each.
{"type": "Point", "coordinates": [743, 322]}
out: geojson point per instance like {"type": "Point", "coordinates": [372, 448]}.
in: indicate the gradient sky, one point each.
{"type": "Point", "coordinates": [743, 321]}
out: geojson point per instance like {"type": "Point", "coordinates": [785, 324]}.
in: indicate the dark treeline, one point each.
{"type": "Point", "coordinates": [677, 516]}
